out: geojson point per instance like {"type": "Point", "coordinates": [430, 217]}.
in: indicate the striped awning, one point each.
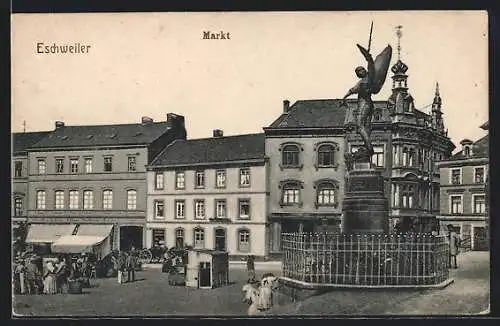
{"type": "Point", "coordinates": [48, 233]}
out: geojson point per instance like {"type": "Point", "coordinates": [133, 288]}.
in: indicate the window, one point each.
{"type": "Point", "coordinates": [59, 199]}
{"type": "Point", "coordinates": [395, 195]}
{"type": "Point", "coordinates": [73, 163]}
{"type": "Point", "coordinates": [159, 208]}
{"type": "Point", "coordinates": [18, 207]}
{"type": "Point", "coordinates": [59, 165]}
{"type": "Point", "coordinates": [158, 237]}
{"type": "Point", "coordinates": [199, 238]}
{"type": "Point", "coordinates": [107, 199]}
{"type": "Point", "coordinates": [290, 194]}
{"type": "Point", "coordinates": [199, 179]}
{"type": "Point", "coordinates": [479, 175]}
{"type": "Point", "coordinates": [244, 208]}
{"type": "Point", "coordinates": [408, 196]}
{"type": "Point", "coordinates": [159, 180]}
{"type": "Point", "coordinates": [411, 157]}
{"type": "Point", "coordinates": [199, 209]}
{"type": "Point", "coordinates": [40, 199]}
{"type": "Point", "coordinates": [456, 204]}
{"type": "Point", "coordinates": [179, 180]}
{"type": "Point", "coordinates": [479, 204]}
{"type": "Point", "coordinates": [88, 199]}
{"type": "Point", "coordinates": [42, 167]}
{"type": "Point", "coordinates": [179, 238]}
{"type": "Point", "coordinates": [467, 151]}
{"type": "Point", "coordinates": [395, 155]}
{"type": "Point", "coordinates": [132, 164]}
{"type": "Point", "coordinates": [406, 153]}
{"type": "Point", "coordinates": [290, 155]}
{"type": "Point", "coordinates": [18, 169]}
{"type": "Point", "coordinates": [220, 208]}
{"type": "Point", "coordinates": [245, 177]}
{"type": "Point", "coordinates": [326, 155]}
{"type": "Point", "coordinates": [73, 199]}
{"type": "Point", "coordinates": [244, 240]}
{"type": "Point", "coordinates": [456, 176]}
{"type": "Point", "coordinates": [88, 165]}
{"type": "Point", "coordinates": [131, 199]}
{"type": "Point", "coordinates": [180, 209]}
{"type": "Point", "coordinates": [377, 115]}
{"type": "Point", "coordinates": [326, 194]}
{"type": "Point", "coordinates": [378, 156]}
{"type": "Point", "coordinates": [108, 164]}
{"type": "Point", "coordinates": [220, 178]}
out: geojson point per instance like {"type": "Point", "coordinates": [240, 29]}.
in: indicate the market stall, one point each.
{"type": "Point", "coordinates": [78, 244]}
{"type": "Point", "coordinates": [207, 268]}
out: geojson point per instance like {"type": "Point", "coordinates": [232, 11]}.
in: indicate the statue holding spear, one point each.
{"type": "Point", "coordinates": [371, 81]}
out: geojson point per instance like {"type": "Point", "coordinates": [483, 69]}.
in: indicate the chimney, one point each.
{"type": "Point", "coordinates": [286, 106]}
{"type": "Point", "coordinates": [466, 147]}
{"type": "Point", "coordinates": [59, 124]}
{"type": "Point", "coordinates": [176, 122]}
{"type": "Point", "coordinates": [218, 133]}
{"type": "Point", "coordinates": [146, 120]}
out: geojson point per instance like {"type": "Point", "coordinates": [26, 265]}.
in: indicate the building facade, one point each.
{"type": "Point", "coordinates": [210, 193]}
{"type": "Point", "coordinates": [464, 192]}
{"type": "Point", "coordinates": [95, 176]}
{"type": "Point", "coordinates": [306, 147]}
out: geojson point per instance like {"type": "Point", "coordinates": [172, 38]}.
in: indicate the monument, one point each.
{"type": "Point", "coordinates": [365, 206]}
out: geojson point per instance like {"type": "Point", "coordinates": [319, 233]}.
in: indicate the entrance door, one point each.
{"type": "Point", "coordinates": [130, 236]}
{"type": "Point", "coordinates": [220, 239]}
{"type": "Point", "coordinates": [205, 277]}
{"type": "Point", "coordinates": [480, 239]}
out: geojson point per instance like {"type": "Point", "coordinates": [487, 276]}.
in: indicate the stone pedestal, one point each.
{"type": "Point", "coordinates": [365, 207]}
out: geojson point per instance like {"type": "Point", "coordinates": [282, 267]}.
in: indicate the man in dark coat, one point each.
{"type": "Point", "coordinates": [33, 276]}
{"type": "Point", "coordinates": [251, 268]}
{"type": "Point", "coordinates": [131, 264]}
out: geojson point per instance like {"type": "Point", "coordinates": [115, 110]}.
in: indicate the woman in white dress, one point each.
{"type": "Point", "coordinates": [49, 281]}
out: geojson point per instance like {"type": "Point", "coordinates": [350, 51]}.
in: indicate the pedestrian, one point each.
{"type": "Point", "coordinates": [49, 279]}
{"type": "Point", "coordinates": [454, 242]}
{"type": "Point", "coordinates": [33, 275]}
{"type": "Point", "coordinates": [20, 276]}
{"type": "Point", "coordinates": [131, 264]}
{"type": "Point", "coordinates": [121, 261]}
{"type": "Point", "coordinates": [62, 274]}
{"type": "Point", "coordinates": [251, 268]}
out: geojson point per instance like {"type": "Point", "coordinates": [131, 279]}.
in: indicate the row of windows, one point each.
{"type": "Point", "coordinates": [478, 204]}
{"type": "Point", "coordinates": [88, 199]}
{"type": "Point", "coordinates": [199, 179]}
{"type": "Point", "coordinates": [456, 175]}
{"type": "Point", "coordinates": [409, 196]}
{"type": "Point", "coordinates": [290, 155]}
{"type": "Point", "coordinates": [200, 210]}
{"type": "Point", "coordinates": [243, 238]}
{"type": "Point", "coordinates": [415, 157]}
{"type": "Point", "coordinates": [326, 193]}
{"type": "Point", "coordinates": [88, 166]}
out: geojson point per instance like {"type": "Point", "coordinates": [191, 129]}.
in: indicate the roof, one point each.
{"type": "Point", "coordinates": [22, 140]}
{"type": "Point", "coordinates": [480, 149]}
{"type": "Point", "coordinates": [212, 150]}
{"type": "Point", "coordinates": [326, 113]}
{"type": "Point", "coordinates": [103, 135]}
{"type": "Point", "coordinates": [485, 125]}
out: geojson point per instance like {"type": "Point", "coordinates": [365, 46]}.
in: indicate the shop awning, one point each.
{"type": "Point", "coordinates": [48, 233]}
{"type": "Point", "coordinates": [76, 244]}
{"type": "Point", "coordinates": [100, 230]}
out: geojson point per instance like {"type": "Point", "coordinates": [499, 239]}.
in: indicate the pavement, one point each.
{"type": "Point", "coordinates": [468, 294]}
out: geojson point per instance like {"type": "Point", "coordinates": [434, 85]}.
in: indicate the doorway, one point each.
{"type": "Point", "coordinates": [205, 276]}
{"type": "Point", "coordinates": [220, 240]}
{"type": "Point", "coordinates": [130, 236]}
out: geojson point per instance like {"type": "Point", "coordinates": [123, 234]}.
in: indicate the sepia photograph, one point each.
{"type": "Point", "coordinates": [250, 164]}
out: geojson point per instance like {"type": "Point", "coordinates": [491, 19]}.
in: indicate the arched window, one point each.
{"type": "Point", "coordinates": [405, 156]}
{"type": "Point", "coordinates": [290, 155]}
{"type": "Point", "coordinates": [179, 238]}
{"type": "Point", "coordinates": [18, 206]}
{"type": "Point", "coordinates": [411, 157]}
{"type": "Point", "coordinates": [244, 240]}
{"type": "Point", "coordinates": [74, 199]}
{"type": "Point", "coordinates": [326, 155]}
{"type": "Point", "coordinates": [59, 199]}
{"type": "Point", "coordinates": [199, 238]}
{"type": "Point", "coordinates": [408, 193]}
{"type": "Point", "coordinates": [40, 199]}
{"type": "Point", "coordinates": [377, 115]}
{"type": "Point", "coordinates": [326, 193]}
{"type": "Point", "coordinates": [290, 193]}
{"type": "Point", "coordinates": [107, 199]}
{"type": "Point", "coordinates": [466, 151]}
{"type": "Point", "coordinates": [88, 199]}
{"type": "Point", "coordinates": [131, 199]}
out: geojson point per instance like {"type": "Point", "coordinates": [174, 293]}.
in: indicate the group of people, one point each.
{"type": "Point", "coordinates": [31, 277]}
{"type": "Point", "coordinates": [125, 262]}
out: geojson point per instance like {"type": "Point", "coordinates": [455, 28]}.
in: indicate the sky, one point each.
{"type": "Point", "coordinates": [150, 64]}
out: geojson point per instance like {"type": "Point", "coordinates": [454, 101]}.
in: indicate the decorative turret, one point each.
{"type": "Point", "coordinates": [437, 114]}
{"type": "Point", "coordinates": [400, 100]}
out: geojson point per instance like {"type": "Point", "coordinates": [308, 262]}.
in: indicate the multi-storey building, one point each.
{"type": "Point", "coordinates": [306, 147]}
{"type": "Point", "coordinates": [464, 190]}
{"type": "Point", "coordinates": [92, 179]}
{"type": "Point", "coordinates": [210, 193]}
{"type": "Point", "coordinates": [19, 173]}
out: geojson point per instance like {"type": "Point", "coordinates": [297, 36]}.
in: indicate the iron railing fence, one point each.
{"type": "Point", "coordinates": [365, 259]}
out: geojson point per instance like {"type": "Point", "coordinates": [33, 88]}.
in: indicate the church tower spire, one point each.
{"type": "Point", "coordinates": [437, 114]}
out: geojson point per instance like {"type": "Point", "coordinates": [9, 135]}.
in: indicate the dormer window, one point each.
{"type": "Point", "coordinates": [467, 151]}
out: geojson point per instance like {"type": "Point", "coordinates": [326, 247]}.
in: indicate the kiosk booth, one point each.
{"type": "Point", "coordinates": [207, 269]}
